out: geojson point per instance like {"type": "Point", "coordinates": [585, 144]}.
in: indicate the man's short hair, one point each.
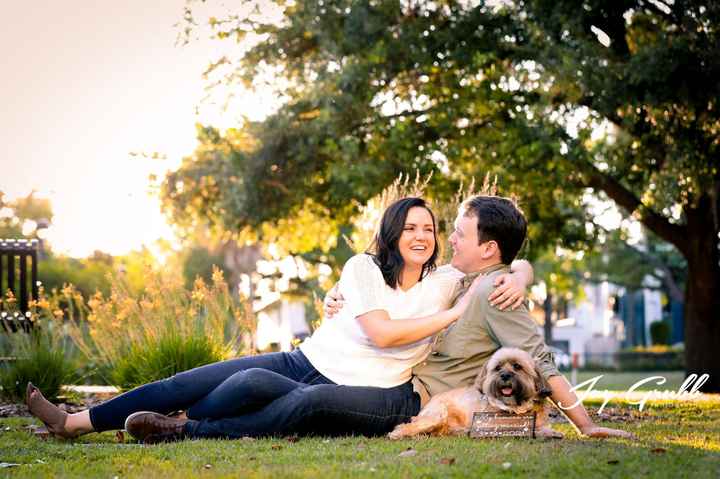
{"type": "Point", "coordinates": [499, 220]}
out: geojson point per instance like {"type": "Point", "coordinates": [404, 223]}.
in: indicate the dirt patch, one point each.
{"type": "Point", "coordinates": [21, 410]}
{"type": "Point", "coordinates": [609, 414]}
{"type": "Point", "coordinates": [13, 410]}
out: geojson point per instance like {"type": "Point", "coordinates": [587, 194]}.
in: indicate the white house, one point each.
{"type": "Point", "coordinates": [592, 326]}
{"type": "Point", "coordinates": [281, 322]}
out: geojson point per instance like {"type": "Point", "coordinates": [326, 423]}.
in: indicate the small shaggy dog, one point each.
{"type": "Point", "coordinates": [510, 382]}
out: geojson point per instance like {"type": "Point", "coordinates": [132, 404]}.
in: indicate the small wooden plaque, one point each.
{"type": "Point", "coordinates": [501, 424]}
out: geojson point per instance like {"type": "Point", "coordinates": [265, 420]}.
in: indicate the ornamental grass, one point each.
{"type": "Point", "coordinates": [130, 339]}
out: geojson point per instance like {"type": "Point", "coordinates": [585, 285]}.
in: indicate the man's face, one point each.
{"type": "Point", "coordinates": [468, 255]}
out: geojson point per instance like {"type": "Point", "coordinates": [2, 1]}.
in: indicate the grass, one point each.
{"type": "Point", "coordinates": [675, 440]}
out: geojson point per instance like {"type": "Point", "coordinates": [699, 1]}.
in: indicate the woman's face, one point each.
{"type": "Point", "coordinates": [417, 241]}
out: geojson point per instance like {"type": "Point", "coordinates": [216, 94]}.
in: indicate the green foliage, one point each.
{"type": "Point", "coordinates": [651, 361]}
{"type": "Point", "coordinates": [134, 337]}
{"type": "Point", "coordinates": [562, 272]}
{"type": "Point", "coordinates": [646, 263]}
{"type": "Point", "coordinates": [660, 332]}
{"type": "Point", "coordinates": [673, 438]}
{"type": "Point", "coordinates": [520, 90]}
{"type": "Point", "coordinates": [163, 357]}
{"type": "Point", "coordinates": [14, 214]}
{"type": "Point", "coordinates": [564, 102]}
{"type": "Point", "coordinates": [45, 357]}
{"type": "Point", "coordinates": [200, 262]}
{"type": "Point", "coordinates": [94, 273]}
{"type": "Point", "coordinates": [88, 275]}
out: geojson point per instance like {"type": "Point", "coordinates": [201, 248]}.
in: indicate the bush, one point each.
{"type": "Point", "coordinates": [163, 358]}
{"type": "Point", "coordinates": [650, 360]}
{"type": "Point", "coordinates": [660, 332]}
{"type": "Point", "coordinates": [44, 357]}
{"type": "Point", "coordinates": [134, 339]}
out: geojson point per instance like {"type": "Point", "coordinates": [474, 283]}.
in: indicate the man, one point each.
{"type": "Point", "coordinates": [489, 232]}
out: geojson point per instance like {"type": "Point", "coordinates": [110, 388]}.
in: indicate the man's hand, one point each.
{"type": "Point", "coordinates": [509, 292]}
{"type": "Point", "coordinates": [562, 393]}
{"type": "Point", "coordinates": [333, 302]}
{"type": "Point", "coordinates": [604, 432]}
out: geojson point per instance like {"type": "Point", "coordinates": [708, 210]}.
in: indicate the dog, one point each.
{"type": "Point", "coordinates": [509, 382]}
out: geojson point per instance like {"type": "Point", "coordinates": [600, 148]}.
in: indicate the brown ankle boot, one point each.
{"type": "Point", "coordinates": [52, 416]}
{"type": "Point", "coordinates": [151, 427]}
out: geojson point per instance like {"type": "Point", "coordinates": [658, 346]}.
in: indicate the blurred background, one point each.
{"type": "Point", "coordinates": [263, 138]}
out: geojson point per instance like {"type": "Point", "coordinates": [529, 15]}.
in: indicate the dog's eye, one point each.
{"type": "Point", "coordinates": [497, 368]}
{"type": "Point", "coordinates": [517, 367]}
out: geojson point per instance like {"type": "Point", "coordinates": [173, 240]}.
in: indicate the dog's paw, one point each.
{"type": "Point", "coordinates": [548, 433]}
{"type": "Point", "coordinates": [398, 433]}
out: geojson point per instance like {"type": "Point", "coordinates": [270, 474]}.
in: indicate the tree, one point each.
{"type": "Point", "coordinates": [648, 263]}
{"type": "Point", "coordinates": [563, 101]}
{"type": "Point", "coordinates": [23, 217]}
{"type": "Point", "coordinates": [560, 272]}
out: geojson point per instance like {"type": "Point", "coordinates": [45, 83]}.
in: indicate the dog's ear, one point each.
{"type": "Point", "coordinates": [480, 379]}
{"type": "Point", "coordinates": [541, 385]}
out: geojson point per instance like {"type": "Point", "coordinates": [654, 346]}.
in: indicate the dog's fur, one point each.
{"type": "Point", "coordinates": [509, 382]}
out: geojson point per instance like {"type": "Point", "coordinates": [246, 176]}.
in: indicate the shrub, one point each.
{"type": "Point", "coordinates": [138, 338]}
{"type": "Point", "coordinates": [660, 332]}
{"type": "Point", "coordinates": [45, 356]}
{"type": "Point", "coordinates": [165, 357]}
{"type": "Point", "coordinates": [651, 359]}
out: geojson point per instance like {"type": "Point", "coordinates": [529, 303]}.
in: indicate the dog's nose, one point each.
{"type": "Point", "coordinates": [506, 376]}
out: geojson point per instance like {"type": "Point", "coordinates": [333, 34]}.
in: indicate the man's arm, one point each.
{"type": "Point", "coordinates": [510, 289]}
{"type": "Point", "coordinates": [563, 397]}
{"type": "Point", "coordinates": [517, 329]}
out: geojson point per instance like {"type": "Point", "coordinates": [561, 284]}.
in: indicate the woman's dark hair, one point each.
{"type": "Point", "coordinates": [384, 248]}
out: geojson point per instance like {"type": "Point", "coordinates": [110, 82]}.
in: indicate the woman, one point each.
{"type": "Point", "coordinates": [364, 348]}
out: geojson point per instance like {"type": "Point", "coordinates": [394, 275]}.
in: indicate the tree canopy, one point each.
{"type": "Point", "coordinates": [562, 100]}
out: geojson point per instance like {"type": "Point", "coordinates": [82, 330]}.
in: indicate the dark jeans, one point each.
{"type": "Point", "coordinates": [224, 389]}
{"type": "Point", "coordinates": [324, 409]}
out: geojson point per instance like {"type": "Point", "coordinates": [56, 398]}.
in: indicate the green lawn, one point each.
{"type": "Point", "coordinates": [675, 440]}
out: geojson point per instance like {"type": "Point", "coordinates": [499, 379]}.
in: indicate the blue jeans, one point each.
{"type": "Point", "coordinates": [324, 409]}
{"type": "Point", "coordinates": [218, 390]}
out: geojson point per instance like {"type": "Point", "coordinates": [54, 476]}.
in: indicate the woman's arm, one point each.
{"type": "Point", "coordinates": [386, 332]}
{"type": "Point", "coordinates": [523, 268]}
{"type": "Point", "coordinates": [509, 290]}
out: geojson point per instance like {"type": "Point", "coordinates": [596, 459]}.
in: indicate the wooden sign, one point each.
{"type": "Point", "coordinates": [501, 424]}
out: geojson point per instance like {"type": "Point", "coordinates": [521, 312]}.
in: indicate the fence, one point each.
{"type": "Point", "coordinates": [14, 278]}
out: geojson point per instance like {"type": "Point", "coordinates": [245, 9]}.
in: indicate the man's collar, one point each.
{"type": "Point", "coordinates": [468, 278]}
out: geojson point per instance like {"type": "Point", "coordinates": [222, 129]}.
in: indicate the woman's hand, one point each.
{"type": "Point", "coordinates": [509, 291]}
{"type": "Point", "coordinates": [333, 302]}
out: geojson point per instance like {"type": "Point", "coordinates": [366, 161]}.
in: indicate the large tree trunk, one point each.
{"type": "Point", "coordinates": [702, 305]}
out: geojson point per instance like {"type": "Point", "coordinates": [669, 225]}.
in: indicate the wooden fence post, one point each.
{"type": "Point", "coordinates": [24, 250]}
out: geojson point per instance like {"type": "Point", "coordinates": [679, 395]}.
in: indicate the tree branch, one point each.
{"type": "Point", "coordinates": [625, 198]}
{"type": "Point", "coordinates": [666, 277]}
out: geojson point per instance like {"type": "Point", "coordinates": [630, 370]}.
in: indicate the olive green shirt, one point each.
{"type": "Point", "coordinates": [464, 347]}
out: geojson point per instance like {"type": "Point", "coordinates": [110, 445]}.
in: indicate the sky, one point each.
{"type": "Point", "coordinates": [83, 85]}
